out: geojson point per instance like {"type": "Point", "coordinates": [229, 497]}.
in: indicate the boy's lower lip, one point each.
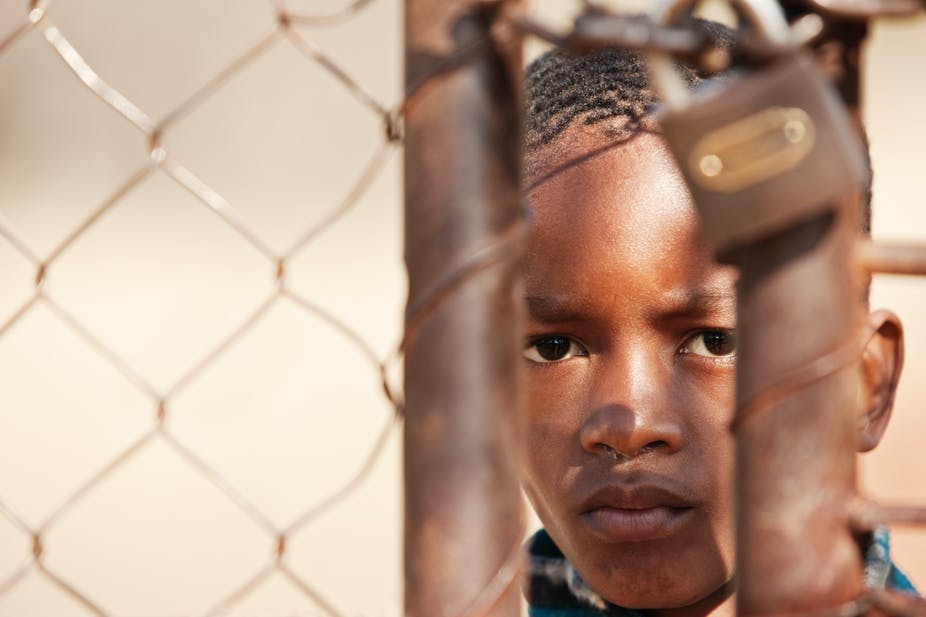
{"type": "Point", "coordinates": [626, 525]}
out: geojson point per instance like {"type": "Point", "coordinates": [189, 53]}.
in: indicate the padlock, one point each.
{"type": "Point", "coordinates": [765, 150]}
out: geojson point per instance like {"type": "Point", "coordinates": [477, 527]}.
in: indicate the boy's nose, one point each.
{"type": "Point", "coordinates": [632, 412]}
{"type": "Point", "coordinates": [621, 432]}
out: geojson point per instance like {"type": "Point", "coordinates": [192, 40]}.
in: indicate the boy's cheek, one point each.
{"type": "Point", "coordinates": [546, 467]}
{"type": "Point", "coordinates": [551, 456]}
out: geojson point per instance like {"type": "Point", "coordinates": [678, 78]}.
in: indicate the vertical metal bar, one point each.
{"type": "Point", "coordinates": [463, 513]}
{"type": "Point", "coordinates": [800, 309]}
{"type": "Point", "coordinates": [795, 464]}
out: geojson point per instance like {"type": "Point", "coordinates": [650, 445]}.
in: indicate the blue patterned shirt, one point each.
{"type": "Point", "coordinates": [555, 589]}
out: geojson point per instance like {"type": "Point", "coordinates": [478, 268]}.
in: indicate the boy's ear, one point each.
{"type": "Point", "coordinates": [882, 360]}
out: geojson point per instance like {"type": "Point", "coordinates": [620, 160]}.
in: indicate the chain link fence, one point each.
{"type": "Point", "coordinates": [187, 391]}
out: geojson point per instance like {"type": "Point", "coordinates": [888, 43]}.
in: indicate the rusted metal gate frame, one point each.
{"type": "Point", "coordinates": [463, 514]}
{"type": "Point", "coordinates": [797, 514]}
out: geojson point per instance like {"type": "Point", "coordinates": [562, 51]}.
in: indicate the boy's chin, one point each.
{"type": "Point", "coordinates": [655, 600]}
{"type": "Point", "coordinates": [669, 585]}
{"type": "Point", "coordinates": [661, 599]}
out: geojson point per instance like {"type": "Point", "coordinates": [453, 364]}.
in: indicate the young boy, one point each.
{"type": "Point", "coordinates": [630, 354]}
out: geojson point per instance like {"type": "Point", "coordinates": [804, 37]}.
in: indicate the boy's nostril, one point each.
{"type": "Point", "coordinates": [614, 453]}
{"type": "Point", "coordinates": [653, 446]}
{"type": "Point", "coordinates": [610, 452]}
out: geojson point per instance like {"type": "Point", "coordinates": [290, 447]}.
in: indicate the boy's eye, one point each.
{"type": "Point", "coordinates": [546, 349]}
{"type": "Point", "coordinates": [711, 343]}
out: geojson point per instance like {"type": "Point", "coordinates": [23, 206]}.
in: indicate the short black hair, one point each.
{"type": "Point", "coordinates": [562, 88]}
{"type": "Point", "coordinates": [611, 88]}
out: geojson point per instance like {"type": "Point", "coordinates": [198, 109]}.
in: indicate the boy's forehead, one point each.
{"type": "Point", "coordinates": [606, 209]}
{"type": "Point", "coordinates": [581, 140]}
{"type": "Point", "coordinates": [585, 175]}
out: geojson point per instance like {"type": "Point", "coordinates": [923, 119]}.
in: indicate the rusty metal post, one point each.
{"type": "Point", "coordinates": [463, 519]}
{"type": "Point", "coordinates": [799, 329]}
{"type": "Point", "coordinates": [796, 320]}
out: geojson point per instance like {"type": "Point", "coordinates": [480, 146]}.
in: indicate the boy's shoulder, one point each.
{"type": "Point", "coordinates": [554, 589]}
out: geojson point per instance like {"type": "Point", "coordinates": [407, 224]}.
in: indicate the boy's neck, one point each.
{"type": "Point", "coordinates": [721, 603]}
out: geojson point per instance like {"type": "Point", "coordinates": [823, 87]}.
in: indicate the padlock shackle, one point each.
{"type": "Point", "coordinates": [766, 16]}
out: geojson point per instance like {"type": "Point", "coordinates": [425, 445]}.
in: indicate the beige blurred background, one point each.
{"type": "Point", "coordinates": [287, 413]}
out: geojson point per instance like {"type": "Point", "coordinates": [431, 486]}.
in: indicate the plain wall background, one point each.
{"type": "Point", "coordinates": [288, 412]}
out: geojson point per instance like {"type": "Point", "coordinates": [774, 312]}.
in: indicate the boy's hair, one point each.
{"type": "Point", "coordinates": [611, 88]}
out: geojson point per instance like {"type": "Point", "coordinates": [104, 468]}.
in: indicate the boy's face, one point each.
{"type": "Point", "coordinates": [630, 373]}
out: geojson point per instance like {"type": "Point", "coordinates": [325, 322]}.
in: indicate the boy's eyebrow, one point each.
{"type": "Point", "coordinates": [551, 309]}
{"type": "Point", "coordinates": [699, 299]}
{"type": "Point", "coordinates": [680, 302]}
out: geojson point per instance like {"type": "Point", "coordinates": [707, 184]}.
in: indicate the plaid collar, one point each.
{"type": "Point", "coordinates": [555, 589]}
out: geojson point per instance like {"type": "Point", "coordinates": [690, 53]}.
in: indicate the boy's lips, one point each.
{"type": "Point", "coordinates": [635, 514]}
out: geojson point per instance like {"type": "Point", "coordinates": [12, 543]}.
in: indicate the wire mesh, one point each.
{"type": "Point", "coordinates": [161, 394]}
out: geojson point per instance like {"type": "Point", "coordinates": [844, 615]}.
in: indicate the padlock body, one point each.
{"type": "Point", "coordinates": [766, 151]}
